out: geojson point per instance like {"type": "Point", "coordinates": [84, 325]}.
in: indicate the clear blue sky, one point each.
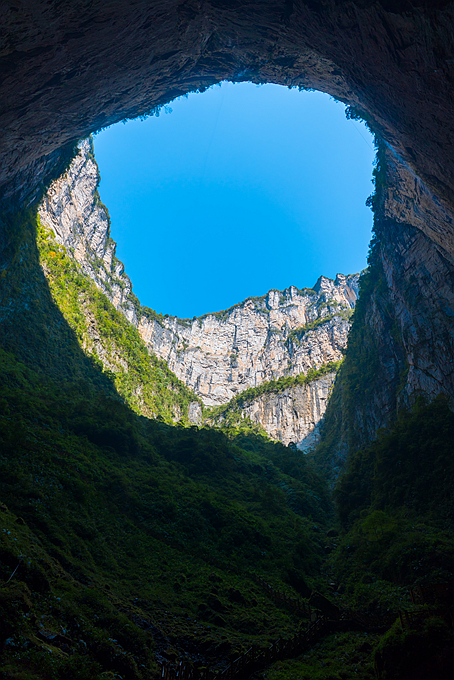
{"type": "Point", "coordinates": [238, 190]}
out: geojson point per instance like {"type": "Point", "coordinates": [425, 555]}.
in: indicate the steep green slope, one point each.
{"type": "Point", "coordinates": [53, 318]}
{"type": "Point", "coordinates": [125, 541]}
{"type": "Point", "coordinates": [145, 382]}
{"type": "Point", "coordinates": [395, 498]}
{"type": "Point", "coordinates": [135, 538]}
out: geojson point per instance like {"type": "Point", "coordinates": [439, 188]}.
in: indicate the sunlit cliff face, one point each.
{"type": "Point", "coordinates": [71, 69]}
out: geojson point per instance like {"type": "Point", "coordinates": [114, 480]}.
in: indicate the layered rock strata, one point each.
{"type": "Point", "coordinates": [293, 415]}
{"type": "Point", "coordinates": [217, 355]}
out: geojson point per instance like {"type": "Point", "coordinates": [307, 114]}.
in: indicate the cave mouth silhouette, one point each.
{"type": "Point", "coordinates": [391, 61]}
{"type": "Point", "coordinates": [260, 187]}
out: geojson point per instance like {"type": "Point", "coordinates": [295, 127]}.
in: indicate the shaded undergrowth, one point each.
{"type": "Point", "coordinates": [126, 541]}
{"type": "Point", "coordinates": [119, 525]}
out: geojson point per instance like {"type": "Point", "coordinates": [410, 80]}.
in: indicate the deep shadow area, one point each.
{"type": "Point", "coordinates": [124, 532]}
{"type": "Point", "coordinates": [126, 542]}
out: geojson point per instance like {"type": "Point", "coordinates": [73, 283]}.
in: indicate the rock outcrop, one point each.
{"type": "Point", "coordinates": [217, 355]}
{"type": "Point", "coordinates": [71, 207]}
{"type": "Point", "coordinates": [293, 415]}
{"type": "Point", "coordinates": [282, 333]}
{"type": "Point", "coordinates": [66, 73]}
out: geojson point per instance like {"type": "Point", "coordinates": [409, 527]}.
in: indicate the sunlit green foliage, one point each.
{"type": "Point", "coordinates": [142, 379]}
{"type": "Point", "coordinates": [231, 411]}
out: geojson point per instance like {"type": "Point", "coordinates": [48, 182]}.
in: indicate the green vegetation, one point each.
{"type": "Point", "coordinates": [232, 408]}
{"type": "Point", "coordinates": [132, 536]}
{"type": "Point", "coordinates": [425, 651]}
{"type": "Point", "coordinates": [127, 540]}
{"type": "Point", "coordinates": [339, 656]}
{"type": "Point", "coordinates": [145, 382]}
{"type": "Point", "coordinates": [404, 466]}
{"type": "Point", "coordinates": [297, 333]}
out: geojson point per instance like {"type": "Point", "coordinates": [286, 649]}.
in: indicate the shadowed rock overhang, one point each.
{"type": "Point", "coordinates": [71, 68]}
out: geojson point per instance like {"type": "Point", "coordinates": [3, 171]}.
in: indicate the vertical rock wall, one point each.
{"type": "Point", "coordinates": [292, 415]}
{"type": "Point", "coordinates": [401, 344]}
{"type": "Point", "coordinates": [217, 355]}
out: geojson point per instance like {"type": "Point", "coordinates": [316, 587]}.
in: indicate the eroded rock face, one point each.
{"type": "Point", "coordinates": [293, 415]}
{"type": "Point", "coordinates": [217, 355]}
{"type": "Point", "coordinates": [411, 318]}
{"type": "Point", "coordinates": [72, 209]}
{"type": "Point", "coordinates": [401, 343]}
{"type": "Point", "coordinates": [254, 342]}
{"type": "Point", "coordinates": [69, 69]}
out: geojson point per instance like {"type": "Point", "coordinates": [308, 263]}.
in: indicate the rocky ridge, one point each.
{"type": "Point", "coordinates": [261, 339]}
{"type": "Point", "coordinates": [218, 355]}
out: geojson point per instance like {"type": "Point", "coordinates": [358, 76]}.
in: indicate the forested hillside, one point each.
{"type": "Point", "coordinates": [130, 543]}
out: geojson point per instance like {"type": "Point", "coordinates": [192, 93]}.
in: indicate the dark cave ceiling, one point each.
{"type": "Point", "coordinates": [71, 68]}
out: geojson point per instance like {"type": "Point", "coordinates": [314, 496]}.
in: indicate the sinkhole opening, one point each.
{"type": "Point", "coordinates": [240, 190]}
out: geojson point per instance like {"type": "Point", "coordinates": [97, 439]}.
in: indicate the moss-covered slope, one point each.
{"type": "Point", "coordinates": [133, 538]}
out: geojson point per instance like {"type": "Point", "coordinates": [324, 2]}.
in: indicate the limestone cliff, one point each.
{"type": "Point", "coordinates": [401, 342]}
{"type": "Point", "coordinates": [73, 210]}
{"type": "Point", "coordinates": [293, 414]}
{"type": "Point", "coordinates": [219, 355]}
{"type": "Point", "coordinates": [282, 333]}
{"type": "Point", "coordinates": [391, 60]}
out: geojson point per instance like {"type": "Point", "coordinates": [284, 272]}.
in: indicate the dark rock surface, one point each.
{"type": "Point", "coordinates": [70, 68]}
